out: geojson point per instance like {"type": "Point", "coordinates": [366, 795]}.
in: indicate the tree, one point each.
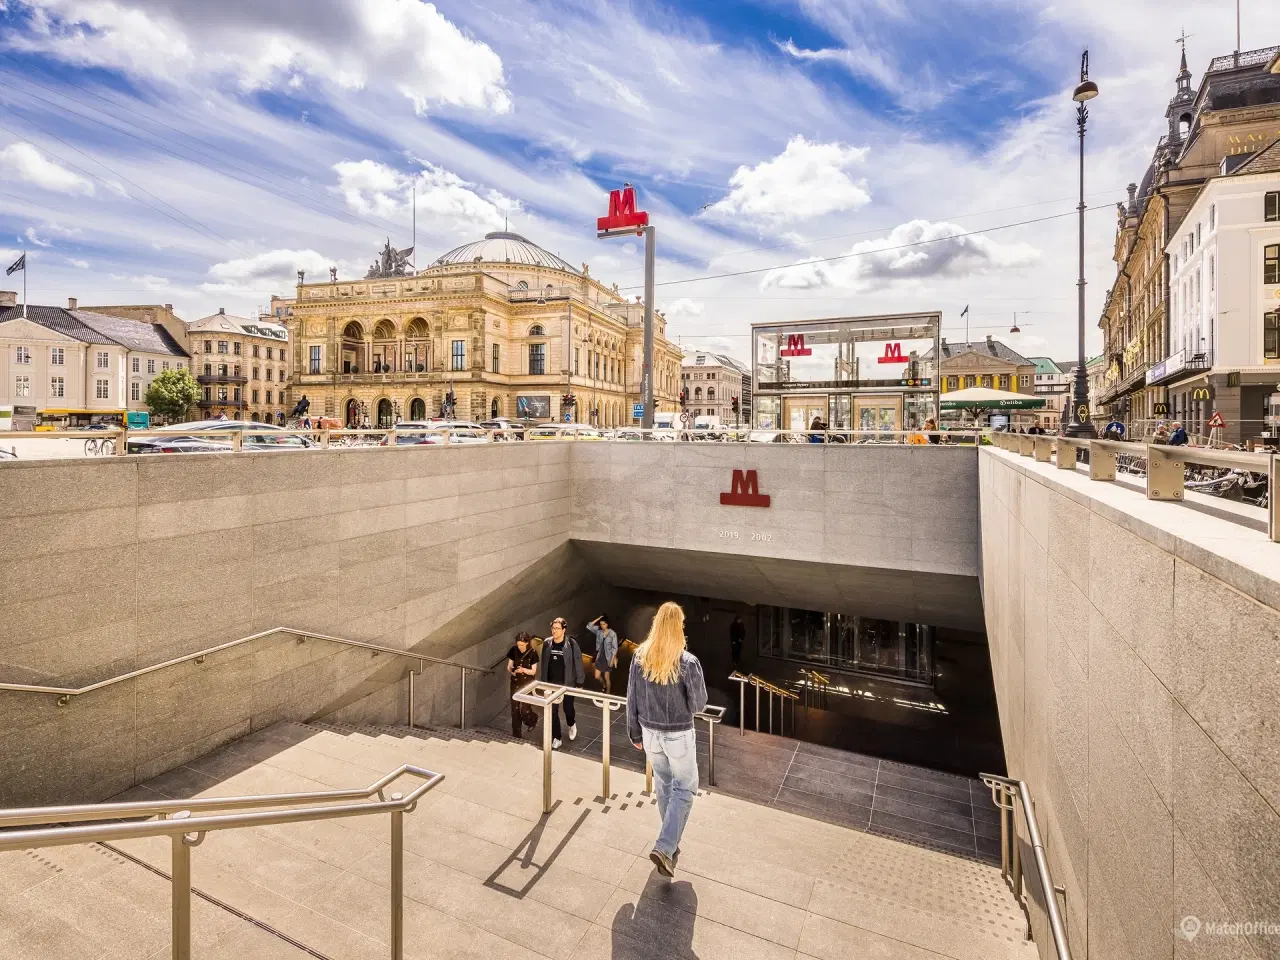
{"type": "Point", "coordinates": [172, 393]}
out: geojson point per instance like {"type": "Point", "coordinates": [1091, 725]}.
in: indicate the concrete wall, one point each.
{"type": "Point", "coordinates": [109, 566]}
{"type": "Point", "coordinates": [1134, 647]}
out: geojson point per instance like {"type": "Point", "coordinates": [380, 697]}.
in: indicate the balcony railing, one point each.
{"type": "Point", "coordinates": [222, 378]}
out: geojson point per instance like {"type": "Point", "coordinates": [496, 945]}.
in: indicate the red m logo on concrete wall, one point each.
{"type": "Point", "coordinates": [744, 491]}
{"type": "Point", "coordinates": [893, 354]}
{"type": "Point", "coordinates": [795, 347]}
{"type": "Point", "coordinates": [622, 211]}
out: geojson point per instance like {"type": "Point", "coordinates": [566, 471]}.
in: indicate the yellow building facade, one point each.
{"type": "Point", "coordinates": [506, 327]}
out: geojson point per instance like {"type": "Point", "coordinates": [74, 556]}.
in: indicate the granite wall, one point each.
{"type": "Point", "coordinates": [1135, 648]}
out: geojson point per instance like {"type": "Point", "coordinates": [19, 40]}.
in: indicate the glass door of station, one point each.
{"type": "Point", "coordinates": [800, 411]}
{"type": "Point", "coordinates": [877, 413]}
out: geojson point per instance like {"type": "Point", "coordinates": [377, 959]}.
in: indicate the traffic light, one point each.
{"type": "Point", "coordinates": [734, 404]}
{"type": "Point", "coordinates": [568, 401]}
{"type": "Point", "coordinates": [684, 398]}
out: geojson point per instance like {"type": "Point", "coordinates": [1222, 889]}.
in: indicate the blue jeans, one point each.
{"type": "Point", "coordinates": [674, 757]}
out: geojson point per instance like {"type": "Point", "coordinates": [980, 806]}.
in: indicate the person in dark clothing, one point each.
{"type": "Point", "coordinates": [1179, 436]}
{"type": "Point", "coordinates": [931, 430]}
{"type": "Point", "coordinates": [522, 667]}
{"type": "Point", "coordinates": [561, 663]}
{"type": "Point", "coordinates": [737, 634]}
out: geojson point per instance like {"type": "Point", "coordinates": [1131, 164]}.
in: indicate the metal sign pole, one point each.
{"type": "Point", "coordinates": [646, 389]}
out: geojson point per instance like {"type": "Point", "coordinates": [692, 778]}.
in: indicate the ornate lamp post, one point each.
{"type": "Point", "coordinates": [1080, 426]}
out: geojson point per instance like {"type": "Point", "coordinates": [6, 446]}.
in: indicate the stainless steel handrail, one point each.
{"type": "Point", "coordinates": [1165, 477]}
{"type": "Point", "coordinates": [773, 690]}
{"type": "Point", "coordinates": [544, 695]}
{"type": "Point", "coordinates": [64, 694]}
{"type": "Point", "coordinates": [186, 831]}
{"type": "Point", "coordinates": [1004, 792]}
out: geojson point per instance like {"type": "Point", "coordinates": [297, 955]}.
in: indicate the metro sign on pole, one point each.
{"type": "Point", "coordinates": [622, 212]}
{"type": "Point", "coordinates": [795, 347]}
{"type": "Point", "coordinates": [893, 354]}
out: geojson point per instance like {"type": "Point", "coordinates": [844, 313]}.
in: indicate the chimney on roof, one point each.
{"type": "Point", "coordinates": [1133, 200]}
{"type": "Point", "coordinates": [72, 302]}
{"type": "Point", "coordinates": [991, 344]}
{"type": "Point", "coordinates": [8, 298]}
{"type": "Point", "coordinates": [169, 307]}
{"type": "Point", "coordinates": [222, 310]}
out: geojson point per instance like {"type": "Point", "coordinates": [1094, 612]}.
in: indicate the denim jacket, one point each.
{"type": "Point", "coordinates": [606, 644]}
{"type": "Point", "coordinates": [667, 707]}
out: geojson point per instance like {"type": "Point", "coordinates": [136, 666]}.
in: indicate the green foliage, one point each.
{"type": "Point", "coordinates": [172, 393]}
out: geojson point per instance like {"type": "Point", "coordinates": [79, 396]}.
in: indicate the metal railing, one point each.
{"type": "Point", "coordinates": [65, 694]}
{"type": "Point", "coordinates": [742, 679]}
{"type": "Point", "coordinates": [1008, 794]}
{"type": "Point", "coordinates": [1166, 465]}
{"type": "Point", "coordinates": [116, 442]}
{"type": "Point", "coordinates": [546, 695]}
{"type": "Point", "coordinates": [188, 822]}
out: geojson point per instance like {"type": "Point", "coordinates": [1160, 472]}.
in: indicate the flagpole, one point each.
{"type": "Point", "coordinates": [24, 284]}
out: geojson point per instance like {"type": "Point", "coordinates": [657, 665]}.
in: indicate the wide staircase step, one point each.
{"type": "Point", "coordinates": [488, 876]}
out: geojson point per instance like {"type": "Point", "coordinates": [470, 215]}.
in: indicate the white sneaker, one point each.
{"type": "Point", "coordinates": [573, 731]}
{"type": "Point", "coordinates": [555, 744]}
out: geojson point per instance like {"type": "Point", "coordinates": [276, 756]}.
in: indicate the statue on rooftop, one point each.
{"type": "Point", "coordinates": [391, 263]}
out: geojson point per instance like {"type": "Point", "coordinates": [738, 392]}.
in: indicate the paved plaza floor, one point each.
{"type": "Point", "coordinates": [488, 876]}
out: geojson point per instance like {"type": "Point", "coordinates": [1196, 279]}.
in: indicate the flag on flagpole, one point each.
{"type": "Point", "coordinates": [19, 264]}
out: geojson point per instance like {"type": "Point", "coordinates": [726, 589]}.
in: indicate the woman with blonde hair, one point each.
{"type": "Point", "coordinates": [664, 691]}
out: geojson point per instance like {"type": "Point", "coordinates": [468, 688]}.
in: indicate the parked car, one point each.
{"type": "Point", "coordinates": [565, 431]}
{"type": "Point", "coordinates": [270, 439]}
{"type": "Point", "coordinates": [177, 445]}
{"type": "Point", "coordinates": [411, 432]}
{"type": "Point", "coordinates": [507, 428]}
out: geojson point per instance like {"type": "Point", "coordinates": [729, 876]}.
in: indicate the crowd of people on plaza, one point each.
{"type": "Point", "coordinates": [666, 689]}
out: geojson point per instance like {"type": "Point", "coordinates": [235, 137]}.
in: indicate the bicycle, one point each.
{"type": "Point", "coordinates": [93, 447]}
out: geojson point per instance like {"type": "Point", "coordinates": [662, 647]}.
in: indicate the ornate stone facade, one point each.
{"type": "Point", "coordinates": [504, 325]}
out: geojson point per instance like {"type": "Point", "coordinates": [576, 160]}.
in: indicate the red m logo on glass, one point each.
{"type": "Point", "coordinates": [892, 354]}
{"type": "Point", "coordinates": [622, 211]}
{"type": "Point", "coordinates": [795, 347]}
{"type": "Point", "coordinates": [745, 491]}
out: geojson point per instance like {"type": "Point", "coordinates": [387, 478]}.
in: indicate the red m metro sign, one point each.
{"type": "Point", "coordinates": [622, 211]}
{"type": "Point", "coordinates": [892, 354]}
{"type": "Point", "coordinates": [795, 347]}
{"type": "Point", "coordinates": [744, 491]}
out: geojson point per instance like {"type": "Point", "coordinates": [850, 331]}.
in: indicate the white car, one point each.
{"type": "Point", "coordinates": [272, 438]}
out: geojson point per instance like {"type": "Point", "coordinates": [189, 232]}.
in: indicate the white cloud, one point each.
{"type": "Point", "coordinates": [22, 161]}
{"type": "Point", "coordinates": [78, 264]}
{"type": "Point", "coordinates": [863, 62]}
{"type": "Point", "coordinates": [267, 272]}
{"type": "Point", "coordinates": [33, 237]}
{"type": "Point", "coordinates": [911, 251]}
{"type": "Point", "coordinates": [806, 180]}
{"type": "Point", "coordinates": [374, 188]}
{"type": "Point", "coordinates": [406, 45]}
{"type": "Point", "coordinates": [684, 307]}
{"type": "Point", "coordinates": [146, 281]}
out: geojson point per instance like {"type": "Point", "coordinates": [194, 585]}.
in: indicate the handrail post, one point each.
{"type": "Point", "coordinates": [1016, 852]}
{"type": "Point", "coordinates": [711, 752]}
{"type": "Point", "coordinates": [410, 698]}
{"type": "Point", "coordinates": [757, 686]}
{"type": "Point", "coordinates": [770, 711]}
{"type": "Point", "coordinates": [742, 706]}
{"type": "Point", "coordinates": [462, 700]}
{"type": "Point", "coordinates": [546, 756]}
{"type": "Point", "coordinates": [605, 751]}
{"type": "Point", "coordinates": [397, 885]}
{"type": "Point", "coordinates": [1004, 836]}
{"type": "Point", "coordinates": [180, 872]}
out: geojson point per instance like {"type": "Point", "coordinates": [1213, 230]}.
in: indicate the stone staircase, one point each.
{"type": "Point", "coordinates": [487, 877]}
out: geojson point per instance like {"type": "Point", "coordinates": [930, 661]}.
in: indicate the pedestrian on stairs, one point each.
{"type": "Point", "coordinates": [606, 652]}
{"type": "Point", "coordinates": [561, 663]}
{"type": "Point", "coordinates": [522, 666]}
{"type": "Point", "coordinates": [665, 690]}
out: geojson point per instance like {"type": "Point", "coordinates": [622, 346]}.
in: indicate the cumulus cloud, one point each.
{"type": "Point", "coordinates": [267, 271]}
{"type": "Point", "coordinates": [684, 307]}
{"type": "Point", "coordinates": [146, 281]}
{"type": "Point", "coordinates": [22, 161]}
{"type": "Point", "coordinates": [404, 45]}
{"type": "Point", "coordinates": [806, 180]}
{"type": "Point", "coordinates": [912, 251]}
{"type": "Point", "coordinates": [370, 187]}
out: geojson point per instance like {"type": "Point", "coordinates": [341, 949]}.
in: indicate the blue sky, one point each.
{"type": "Point", "coordinates": [200, 154]}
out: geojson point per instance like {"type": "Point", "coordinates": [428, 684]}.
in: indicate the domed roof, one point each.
{"type": "Point", "coordinates": [504, 247]}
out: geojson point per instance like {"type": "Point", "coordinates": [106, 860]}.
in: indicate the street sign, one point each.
{"type": "Point", "coordinates": [568, 418]}
{"type": "Point", "coordinates": [637, 411]}
{"type": "Point", "coordinates": [684, 419]}
{"type": "Point", "coordinates": [1216, 422]}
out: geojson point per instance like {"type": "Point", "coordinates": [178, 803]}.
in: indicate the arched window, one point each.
{"type": "Point", "coordinates": [416, 330]}
{"type": "Point", "coordinates": [417, 409]}
{"type": "Point", "coordinates": [522, 285]}
{"type": "Point", "coordinates": [353, 331]}
{"type": "Point", "coordinates": [711, 393]}
{"type": "Point", "coordinates": [1184, 124]}
{"type": "Point", "coordinates": [385, 330]}
{"type": "Point", "coordinates": [385, 415]}
{"type": "Point", "coordinates": [537, 331]}
{"type": "Point", "coordinates": [697, 393]}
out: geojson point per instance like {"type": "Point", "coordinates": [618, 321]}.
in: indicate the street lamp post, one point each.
{"type": "Point", "coordinates": [1080, 426]}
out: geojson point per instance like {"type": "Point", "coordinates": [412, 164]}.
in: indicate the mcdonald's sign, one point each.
{"type": "Point", "coordinates": [744, 491]}
{"type": "Point", "coordinates": [892, 354]}
{"type": "Point", "coordinates": [795, 347]}
{"type": "Point", "coordinates": [1201, 393]}
{"type": "Point", "coordinates": [622, 211]}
